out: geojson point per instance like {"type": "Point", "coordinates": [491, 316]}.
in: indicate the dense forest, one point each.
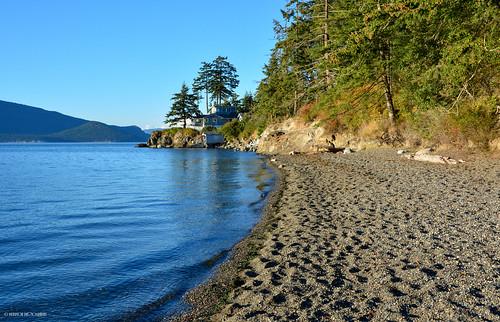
{"type": "Point", "coordinates": [427, 69]}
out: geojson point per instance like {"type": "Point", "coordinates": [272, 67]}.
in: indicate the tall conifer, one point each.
{"type": "Point", "coordinates": [184, 107]}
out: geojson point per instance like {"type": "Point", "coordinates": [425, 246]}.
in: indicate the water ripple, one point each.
{"type": "Point", "coordinates": [94, 232]}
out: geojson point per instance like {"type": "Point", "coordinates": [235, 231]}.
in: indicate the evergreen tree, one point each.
{"type": "Point", "coordinates": [235, 101]}
{"type": "Point", "coordinates": [222, 80]}
{"type": "Point", "coordinates": [202, 82]}
{"type": "Point", "coordinates": [184, 106]}
{"type": "Point", "coordinates": [383, 55]}
{"type": "Point", "coordinates": [247, 103]}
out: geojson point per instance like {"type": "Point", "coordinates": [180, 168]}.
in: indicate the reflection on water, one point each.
{"type": "Point", "coordinates": [107, 231]}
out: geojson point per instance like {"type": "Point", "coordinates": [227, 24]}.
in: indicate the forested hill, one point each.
{"type": "Point", "coordinates": [21, 123]}
{"type": "Point", "coordinates": [425, 68]}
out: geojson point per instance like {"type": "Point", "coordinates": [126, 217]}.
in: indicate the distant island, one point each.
{"type": "Point", "coordinates": [22, 123]}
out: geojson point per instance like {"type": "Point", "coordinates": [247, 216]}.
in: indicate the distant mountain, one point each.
{"type": "Point", "coordinates": [22, 123]}
{"type": "Point", "coordinates": [149, 131]}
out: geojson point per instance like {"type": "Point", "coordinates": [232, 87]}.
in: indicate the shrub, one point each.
{"type": "Point", "coordinates": [185, 132]}
{"type": "Point", "coordinates": [209, 129]}
{"type": "Point", "coordinates": [232, 130]}
{"type": "Point", "coordinates": [477, 121]}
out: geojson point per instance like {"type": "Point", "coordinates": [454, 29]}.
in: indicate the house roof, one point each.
{"type": "Point", "coordinates": [217, 116]}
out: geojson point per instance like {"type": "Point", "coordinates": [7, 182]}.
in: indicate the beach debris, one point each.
{"type": "Point", "coordinates": [348, 150]}
{"type": "Point", "coordinates": [424, 151]}
{"type": "Point", "coordinates": [293, 153]}
{"type": "Point", "coordinates": [273, 160]}
{"type": "Point", "coordinates": [402, 151]}
{"type": "Point", "coordinates": [431, 158]}
{"type": "Point", "coordinates": [281, 166]}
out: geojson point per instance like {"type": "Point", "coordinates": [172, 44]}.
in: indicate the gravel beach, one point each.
{"type": "Point", "coordinates": [368, 236]}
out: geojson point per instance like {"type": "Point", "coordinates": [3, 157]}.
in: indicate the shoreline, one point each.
{"type": "Point", "coordinates": [208, 298]}
{"type": "Point", "coordinates": [366, 236]}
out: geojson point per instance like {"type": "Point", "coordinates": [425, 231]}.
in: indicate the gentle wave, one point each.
{"type": "Point", "coordinates": [110, 232]}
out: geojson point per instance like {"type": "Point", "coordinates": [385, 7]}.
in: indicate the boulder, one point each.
{"type": "Point", "coordinates": [165, 141]}
{"type": "Point", "coordinates": [196, 142]}
{"type": "Point", "coordinates": [153, 139]}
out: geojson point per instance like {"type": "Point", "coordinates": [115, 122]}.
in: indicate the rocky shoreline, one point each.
{"type": "Point", "coordinates": [366, 236]}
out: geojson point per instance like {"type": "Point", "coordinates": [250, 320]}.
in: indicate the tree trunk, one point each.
{"type": "Point", "coordinates": [325, 43]}
{"type": "Point", "coordinates": [185, 123]}
{"type": "Point", "coordinates": [384, 54]}
{"type": "Point", "coordinates": [206, 98]}
{"type": "Point", "coordinates": [388, 99]}
{"type": "Point", "coordinates": [295, 103]}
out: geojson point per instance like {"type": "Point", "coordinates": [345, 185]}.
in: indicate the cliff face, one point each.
{"type": "Point", "coordinates": [291, 135]}
{"type": "Point", "coordinates": [295, 135]}
{"type": "Point", "coordinates": [180, 138]}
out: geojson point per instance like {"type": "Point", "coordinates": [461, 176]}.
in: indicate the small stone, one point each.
{"type": "Point", "coordinates": [279, 299]}
{"type": "Point", "coordinates": [347, 151]}
{"type": "Point", "coordinates": [281, 166]}
{"type": "Point", "coordinates": [402, 151]}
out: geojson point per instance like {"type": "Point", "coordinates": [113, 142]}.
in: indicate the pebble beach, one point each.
{"type": "Point", "coordinates": [367, 236]}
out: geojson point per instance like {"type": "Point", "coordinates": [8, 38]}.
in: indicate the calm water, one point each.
{"type": "Point", "coordinates": [109, 231]}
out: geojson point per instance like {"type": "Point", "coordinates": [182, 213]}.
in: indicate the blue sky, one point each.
{"type": "Point", "coordinates": [120, 61]}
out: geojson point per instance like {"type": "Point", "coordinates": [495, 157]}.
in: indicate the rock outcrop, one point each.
{"type": "Point", "coordinates": [296, 136]}
{"type": "Point", "coordinates": [300, 137]}
{"type": "Point", "coordinates": [293, 135]}
{"type": "Point", "coordinates": [176, 138]}
{"type": "Point", "coordinates": [242, 145]}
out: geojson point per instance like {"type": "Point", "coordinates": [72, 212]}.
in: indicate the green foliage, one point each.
{"type": "Point", "coordinates": [170, 131]}
{"type": "Point", "coordinates": [479, 122]}
{"type": "Point", "coordinates": [207, 129]}
{"type": "Point", "coordinates": [247, 103]}
{"type": "Point", "coordinates": [232, 130]}
{"type": "Point", "coordinates": [219, 79]}
{"type": "Point", "coordinates": [184, 106]}
{"type": "Point", "coordinates": [254, 125]}
{"type": "Point", "coordinates": [202, 82]}
{"type": "Point", "coordinates": [183, 131]}
{"type": "Point", "coordinates": [349, 62]}
{"type": "Point", "coordinates": [234, 101]}
{"type": "Point", "coordinates": [223, 80]}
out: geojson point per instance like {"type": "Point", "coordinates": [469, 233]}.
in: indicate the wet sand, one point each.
{"type": "Point", "coordinates": [368, 236]}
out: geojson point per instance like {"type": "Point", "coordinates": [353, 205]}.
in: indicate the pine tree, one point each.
{"type": "Point", "coordinates": [235, 101]}
{"type": "Point", "coordinates": [247, 103]}
{"type": "Point", "coordinates": [223, 80]}
{"type": "Point", "coordinates": [356, 60]}
{"type": "Point", "coordinates": [202, 82]}
{"type": "Point", "coordinates": [184, 107]}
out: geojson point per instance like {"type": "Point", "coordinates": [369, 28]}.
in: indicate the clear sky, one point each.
{"type": "Point", "coordinates": [120, 61]}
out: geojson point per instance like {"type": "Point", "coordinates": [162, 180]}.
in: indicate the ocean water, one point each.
{"type": "Point", "coordinates": [100, 232]}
